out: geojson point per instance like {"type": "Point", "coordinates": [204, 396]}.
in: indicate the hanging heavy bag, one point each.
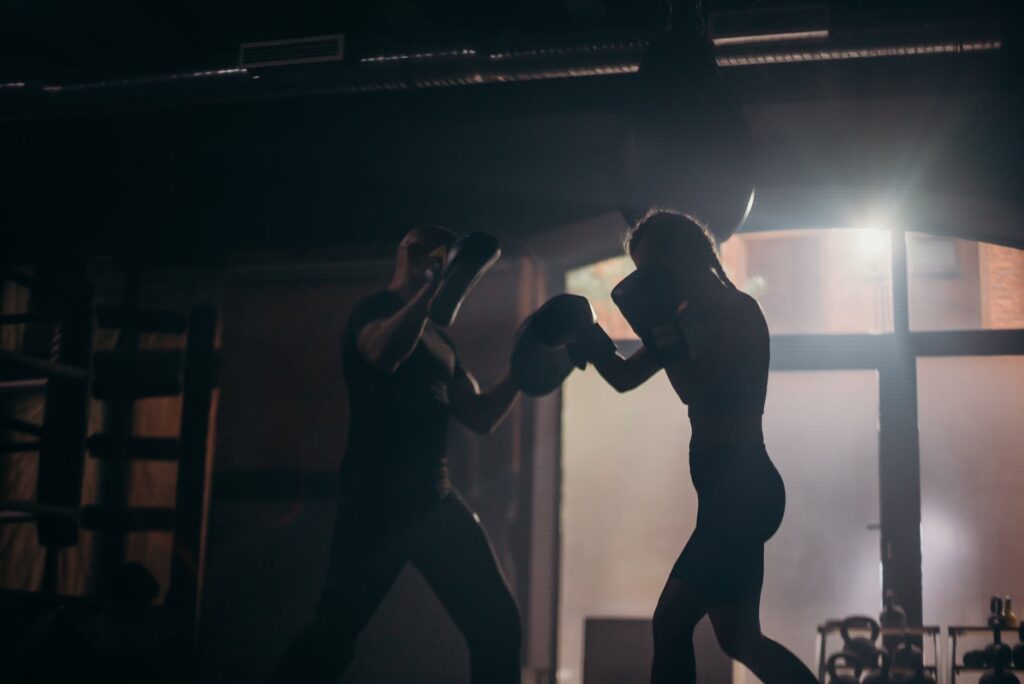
{"type": "Point", "coordinates": [686, 142]}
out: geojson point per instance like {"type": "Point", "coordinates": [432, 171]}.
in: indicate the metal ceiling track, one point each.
{"type": "Point", "coordinates": [468, 65]}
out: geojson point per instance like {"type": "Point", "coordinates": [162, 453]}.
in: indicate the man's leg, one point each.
{"type": "Point", "coordinates": [365, 560]}
{"type": "Point", "coordinates": [453, 555]}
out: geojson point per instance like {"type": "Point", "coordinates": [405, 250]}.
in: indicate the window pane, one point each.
{"type": "Point", "coordinates": [964, 285]}
{"type": "Point", "coordinates": [807, 281]}
{"type": "Point", "coordinates": [972, 477]}
{"type": "Point", "coordinates": [816, 281]}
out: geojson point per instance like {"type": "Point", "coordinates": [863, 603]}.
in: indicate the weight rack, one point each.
{"type": "Point", "coordinates": [928, 632]}
{"type": "Point", "coordinates": [957, 632]}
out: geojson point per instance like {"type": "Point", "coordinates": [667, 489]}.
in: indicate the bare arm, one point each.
{"type": "Point", "coordinates": [626, 374]}
{"type": "Point", "coordinates": [386, 342]}
{"type": "Point", "coordinates": [481, 412]}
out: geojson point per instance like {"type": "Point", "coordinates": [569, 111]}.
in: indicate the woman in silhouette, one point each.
{"type": "Point", "coordinates": [712, 341]}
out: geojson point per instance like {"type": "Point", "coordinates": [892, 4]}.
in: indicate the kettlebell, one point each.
{"type": "Point", "coordinates": [999, 676]}
{"type": "Point", "coordinates": [864, 648]}
{"type": "Point", "coordinates": [919, 676]}
{"type": "Point", "coordinates": [1018, 650]}
{"type": "Point", "coordinates": [849, 661]}
{"type": "Point", "coordinates": [892, 615]}
{"type": "Point", "coordinates": [1009, 617]}
{"type": "Point", "coordinates": [893, 620]}
{"type": "Point", "coordinates": [998, 654]}
{"type": "Point", "coordinates": [995, 617]}
{"type": "Point", "coordinates": [882, 676]}
{"type": "Point", "coordinates": [908, 655]}
{"type": "Point", "coordinates": [975, 659]}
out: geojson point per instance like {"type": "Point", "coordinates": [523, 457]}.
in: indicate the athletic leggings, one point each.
{"type": "Point", "coordinates": [741, 500]}
{"type": "Point", "coordinates": [447, 545]}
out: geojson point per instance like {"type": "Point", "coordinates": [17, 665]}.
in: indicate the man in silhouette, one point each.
{"type": "Point", "coordinates": [395, 503]}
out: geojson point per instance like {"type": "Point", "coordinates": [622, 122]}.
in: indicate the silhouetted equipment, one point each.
{"type": "Point", "coordinates": [997, 657]}
{"type": "Point", "coordinates": [892, 619]}
{"type": "Point", "coordinates": [997, 613]}
{"type": "Point", "coordinates": [907, 655]}
{"type": "Point", "coordinates": [172, 322]}
{"type": "Point", "coordinates": [975, 658]}
{"type": "Point", "coordinates": [687, 144]}
{"type": "Point", "coordinates": [1010, 618]}
{"type": "Point", "coordinates": [540, 357]}
{"type": "Point", "coordinates": [1018, 650]}
{"type": "Point", "coordinates": [864, 649]}
{"type": "Point", "coordinates": [863, 640]}
{"type": "Point", "coordinates": [918, 676]}
{"type": "Point", "coordinates": [137, 374]}
{"type": "Point", "coordinates": [54, 360]}
{"type": "Point", "coordinates": [844, 661]}
{"type": "Point", "coordinates": [591, 343]}
{"type": "Point", "coordinates": [999, 676]}
{"type": "Point", "coordinates": [882, 676]}
{"type": "Point", "coordinates": [469, 258]}
{"type": "Point", "coordinates": [892, 615]}
{"type": "Point", "coordinates": [57, 358]}
{"type": "Point", "coordinates": [645, 300]}
{"type": "Point", "coordinates": [133, 585]}
{"type": "Point", "coordinates": [997, 654]}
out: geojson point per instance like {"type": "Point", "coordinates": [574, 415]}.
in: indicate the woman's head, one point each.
{"type": "Point", "coordinates": [675, 242]}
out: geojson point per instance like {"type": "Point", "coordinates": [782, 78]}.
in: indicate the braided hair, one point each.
{"type": "Point", "coordinates": [681, 234]}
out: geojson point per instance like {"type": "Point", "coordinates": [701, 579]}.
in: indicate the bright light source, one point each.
{"type": "Point", "coordinates": [872, 241]}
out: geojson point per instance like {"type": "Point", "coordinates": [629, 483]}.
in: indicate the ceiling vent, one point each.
{"type": "Point", "coordinates": [292, 51]}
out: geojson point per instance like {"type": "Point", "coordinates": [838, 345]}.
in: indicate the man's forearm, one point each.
{"type": "Point", "coordinates": [390, 341]}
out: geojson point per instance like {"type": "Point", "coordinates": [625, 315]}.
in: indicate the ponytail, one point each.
{"type": "Point", "coordinates": [716, 264]}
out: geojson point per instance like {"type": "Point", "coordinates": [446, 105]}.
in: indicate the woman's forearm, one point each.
{"type": "Point", "coordinates": [626, 374]}
{"type": "Point", "coordinates": [615, 370]}
{"type": "Point", "coordinates": [494, 404]}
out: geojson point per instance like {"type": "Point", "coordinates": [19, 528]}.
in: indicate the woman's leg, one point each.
{"type": "Point", "coordinates": [737, 625]}
{"type": "Point", "coordinates": [679, 609]}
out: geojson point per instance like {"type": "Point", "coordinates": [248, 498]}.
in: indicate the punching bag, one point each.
{"type": "Point", "coordinates": [686, 142]}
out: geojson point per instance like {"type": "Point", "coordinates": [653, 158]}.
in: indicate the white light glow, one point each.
{"type": "Point", "coordinates": [872, 241]}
